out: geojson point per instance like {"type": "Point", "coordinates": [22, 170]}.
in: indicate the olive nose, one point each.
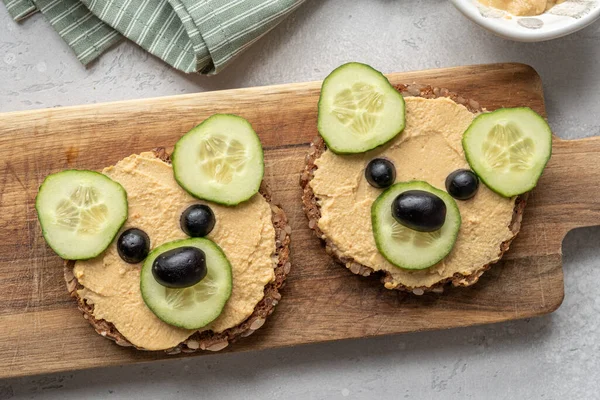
{"type": "Point", "coordinates": [180, 267]}
{"type": "Point", "coordinates": [419, 210]}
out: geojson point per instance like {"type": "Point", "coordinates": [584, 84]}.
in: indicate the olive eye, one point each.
{"type": "Point", "coordinates": [133, 245]}
{"type": "Point", "coordinates": [380, 173]}
{"type": "Point", "coordinates": [462, 184]}
{"type": "Point", "coordinates": [197, 220]}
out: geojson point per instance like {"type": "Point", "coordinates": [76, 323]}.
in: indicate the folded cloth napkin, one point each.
{"type": "Point", "coordinates": [191, 35]}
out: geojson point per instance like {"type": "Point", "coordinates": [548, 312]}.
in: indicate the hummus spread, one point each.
{"type": "Point", "coordinates": [156, 201]}
{"type": "Point", "coordinates": [428, 149]}
{"type": "Point", "coordinates": [522, 7]}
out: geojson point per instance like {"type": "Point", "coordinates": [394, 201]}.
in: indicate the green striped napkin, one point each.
{"type": "Point", "coordinates": [191, 35]}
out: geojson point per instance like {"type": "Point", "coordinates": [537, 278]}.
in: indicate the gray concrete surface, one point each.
{"type": "Point", "coordinates": [553, 357]}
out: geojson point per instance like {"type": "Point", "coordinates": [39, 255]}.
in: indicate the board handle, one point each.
{"type": "Point", "coordinates": [571, 185]}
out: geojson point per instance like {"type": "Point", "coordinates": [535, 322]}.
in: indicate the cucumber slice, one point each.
{"type": "Point", "coordinates": [196, 306]}
{"type": "Point", "coordinates": [220, 160]}
{"type": "Point", "coordinates": [508, 149]}
{"type": "Point", "coordinates": [80, 212]}
{"type": "Point", "coordinates": [359, 109]}
{"type": "Point", "coordinates": [407, 248]}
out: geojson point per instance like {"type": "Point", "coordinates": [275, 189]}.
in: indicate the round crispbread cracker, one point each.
{"type": "Point", "coordinates": [313, 212]}
{"type": "Point", "coordinates": [207, 340]}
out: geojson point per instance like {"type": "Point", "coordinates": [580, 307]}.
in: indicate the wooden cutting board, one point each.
{"type": "Point", "coordinates": [41, 330]}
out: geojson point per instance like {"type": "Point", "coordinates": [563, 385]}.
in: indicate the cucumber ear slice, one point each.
{"type": "Point", "coordinates": [220, 160]}
{"type": "Point", "coordinates": [80, 212]}
{"type": "Point", "coordinates": [359, 109]}
{"type": "Point", "coordinates": [508, 149]}
{"type": "Point", "coordinates": [404, 247]}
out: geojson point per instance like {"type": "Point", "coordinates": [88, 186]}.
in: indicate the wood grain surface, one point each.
{"type": "Point", "coordinates": [42, 331]}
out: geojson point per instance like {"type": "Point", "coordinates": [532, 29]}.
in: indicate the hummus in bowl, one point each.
{"type": "Point", "coordinates": [522, 7]}
{"type": "Point", "coordinates": [530, 20]}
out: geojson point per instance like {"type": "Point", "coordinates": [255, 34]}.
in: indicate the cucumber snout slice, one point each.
{"type": "Point", "coordinates": [359, 109]}
{"type": "Point", "coordinates": [195, 306]}
{"type": "Point", "coordinates": [80, 212]}
{"type": "Point", "coordinates": [220, 160]}
{"type": "Point", "coordinates": [508, 149]}
{"type": "Point", "coordinates": [408, 248]}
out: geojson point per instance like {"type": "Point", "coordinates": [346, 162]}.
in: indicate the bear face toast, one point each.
{"type": "Point", "coordinates": [411, 208]}
{"type": "Point", "coordinates": [183, 273]}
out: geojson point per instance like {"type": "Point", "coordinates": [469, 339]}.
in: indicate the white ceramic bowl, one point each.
{"type": "Point", "coordinates": [561, 20]}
